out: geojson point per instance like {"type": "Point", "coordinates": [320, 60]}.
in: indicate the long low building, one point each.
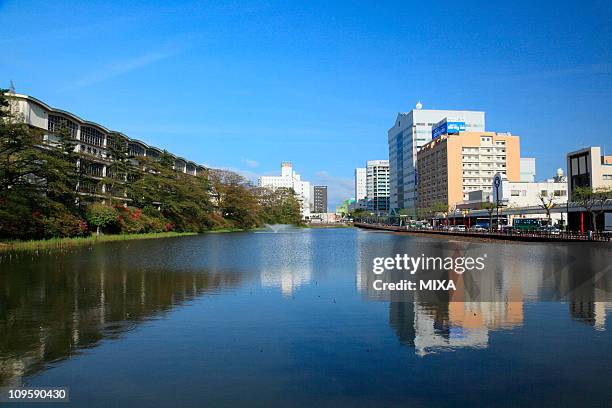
{"type": "Point", "coordinates": [92, 138]}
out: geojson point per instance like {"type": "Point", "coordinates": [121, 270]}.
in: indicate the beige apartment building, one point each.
{"type": "Point", "coordinates": [451, 166]}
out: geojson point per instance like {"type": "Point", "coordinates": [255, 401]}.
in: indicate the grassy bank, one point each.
{"type": "Point", "coordinates": [66, 243]}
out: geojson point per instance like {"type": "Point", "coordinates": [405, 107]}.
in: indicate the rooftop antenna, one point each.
{"type": "Point", "coordinates": [12, 87]}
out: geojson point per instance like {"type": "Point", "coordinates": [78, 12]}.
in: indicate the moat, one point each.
{"type": "Point", "coordinates": [292, 319]}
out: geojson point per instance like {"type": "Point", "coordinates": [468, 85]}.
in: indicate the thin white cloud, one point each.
{"type": "Point", "coordinates": [122, 67]}
{"type": "Point", "coordinates": [249, 162]}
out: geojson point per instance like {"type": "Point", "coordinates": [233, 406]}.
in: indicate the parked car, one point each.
{"type": "Point", "coordinates": [460, 228]}
{"type": "Point", "coordinates": [479, 228]}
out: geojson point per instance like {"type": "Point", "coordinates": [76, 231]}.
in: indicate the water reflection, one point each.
{"type": "Point", "coordinates": [290, 265]}
{"type": "Point", "coordinates": [51, 310]}
{"type": "Point", "coordinates": [290, 308]}
{"type": "Point", "coordinates": [488, 300]}
{"type": "Point", "coordinates": [437, 327]}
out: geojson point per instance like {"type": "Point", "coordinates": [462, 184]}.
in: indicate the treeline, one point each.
{"type": "Point", "coordinates": [47, 189]}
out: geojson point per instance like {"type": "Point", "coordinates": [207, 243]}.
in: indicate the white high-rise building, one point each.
{"type": "Point", "coordinates": [377, 186]}
{"type": "Point", "coordinates": [360, 185]}
{"type": "Point", "coordinates": [409, 133]}
{"type": "Point", "coordinates": [290, 179]}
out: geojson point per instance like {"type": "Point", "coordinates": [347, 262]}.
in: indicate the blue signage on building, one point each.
{"type": "Point", "coordinates": [455, 127]}
{"type": "Point", "coordinates": [447, 128]}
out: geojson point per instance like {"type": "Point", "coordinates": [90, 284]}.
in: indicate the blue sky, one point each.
{"type": "Point", "coordinates": [247, 85]}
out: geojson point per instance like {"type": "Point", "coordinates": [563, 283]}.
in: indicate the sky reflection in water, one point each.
{"type": "Point", "coordinates": [292, 319]}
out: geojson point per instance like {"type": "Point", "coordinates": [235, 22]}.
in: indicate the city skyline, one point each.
{"type": "Point", "coordinates": [285, 83]}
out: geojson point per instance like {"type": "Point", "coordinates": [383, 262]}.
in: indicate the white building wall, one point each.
{"type": "Point", "coordinates": [522, 194]}
{"type": "Point", "coordinates": [528, 169]}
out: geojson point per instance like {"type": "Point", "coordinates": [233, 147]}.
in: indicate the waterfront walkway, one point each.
{"type": "Point", "coordinates": [507, 236]}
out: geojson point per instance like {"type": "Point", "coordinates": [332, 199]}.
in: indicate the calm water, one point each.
{"type": "Point", "coordinates": [292, 319]}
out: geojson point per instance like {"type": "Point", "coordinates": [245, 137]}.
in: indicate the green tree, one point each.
{"type": "Point", "coordinates": [121, 172]}
{"type": "Point", "coordinates": [585, 196]}
{"type": "Point", "coordinates": [182, 199]}
{"type": "Point", "coordinates": [37, 178]}
{"type": "Point", "coordinates": [101, 216]}
{"type": "Point", "coordinates": [235, 199]}
{"type": "Point", "coordinates": [279, 206]}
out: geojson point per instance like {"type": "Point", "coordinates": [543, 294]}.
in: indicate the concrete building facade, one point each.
{"type": "Point", "coordinates": [528, 169]}
{"type": "Point", "coordinates": [320, 199]}
{"type": "Point", "coordinates": [409, 133]}
{"type": "Point", "coordinates": [377, 186]}
{"type": "Point", "coordinates": [453, 166]}
{"type": "Point", "coordinates": [588, 168]}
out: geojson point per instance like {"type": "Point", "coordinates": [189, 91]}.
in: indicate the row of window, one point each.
{"type": "Point", "coordinates": [483, 150]}
{"type": "Point", "coordinates": [92, 136]}
{"type": "Point", "coordinates": [57, 123]}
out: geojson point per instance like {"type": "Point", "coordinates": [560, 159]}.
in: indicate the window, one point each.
{"type": "Point", "coordinates": [92, 136]}
{"type": "Point", "coordinates": [136, 150]}
{"type": "Point", "coordinates": [56, 123]}
{"type": "Point", "coordinates": [544, 193]}
{"type": "Point", "coordinates": [93, 169]}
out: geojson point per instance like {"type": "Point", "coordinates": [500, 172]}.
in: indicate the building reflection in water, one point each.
{"type": "Point", "coordinates": [588, 302]}
{"type": "Point", "coordinates": [49, 313]}
{"type": "Point", "coordinates": [488, 300]}
{"type": "Point", "coordinates": [288, 263]}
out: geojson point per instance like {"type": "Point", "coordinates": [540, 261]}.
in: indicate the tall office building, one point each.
{"type": "Point", "coordinates": [290, 179]}
{"type": "Point", "coordinates": [451, 166]}
{"type": "Point", "coordinates": [377, 186]}
{"type": "Point", "coordinates": [320, 199]}
{"type": "Point", "coordinates": [409, 133]}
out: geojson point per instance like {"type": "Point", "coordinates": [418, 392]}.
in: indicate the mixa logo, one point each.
{"type": "Point", "coordinates": [434, 284]}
